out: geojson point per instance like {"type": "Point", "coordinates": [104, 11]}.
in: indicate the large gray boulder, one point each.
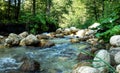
{"type": "Point", "coordinates": [101, 60]}
{"type": "Point", "coordinates": [115, 40]}
{"type": "Point", "coordinates": [13, 39]}
{"type": "Point", "coordinates": [85, 69]}
{"type": "Point", "coordinates": [29, 40]}
{"type": "Point", "coordinates": [117, 57]}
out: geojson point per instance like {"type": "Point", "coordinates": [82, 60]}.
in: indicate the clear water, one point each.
{"type": "Point", "coordinates": [60, 58]}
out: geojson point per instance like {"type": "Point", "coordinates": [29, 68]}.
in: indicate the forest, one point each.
{"type": "Point", "coordinates": [59, 36]}
{"type": "Point", "coordinates": [40, 15]}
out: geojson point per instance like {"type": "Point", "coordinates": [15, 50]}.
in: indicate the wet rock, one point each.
{"type": "Point", "coordinates": [59, 35]}
{"type": "Point", "coordinates": [46, 43]}
{"type": "Point", "coordinates": [115, 40]}
{"type": "Point", "coordinates": [85, 69]}
{"type": "Point", "coordinates": [84, 57]}
{"type": "Point", "coordinates": [42, 36]}
{"type": "Point", "coordinates": [13, 39]}
{"type": "Point", "coordinates": [118, 68]}
{"type": "Point", "coordinates": [100, 60]}
{"type": "Point", "coordinates": [23, 34]}
{"type": "Point", "coordinates": [29, 65]}
{"type": "Point", "coordinates": [2, 46]}
{"type": "Point", "coordinates": [30, 40]}
{"type": "Point", "coordinates": [74, 40]}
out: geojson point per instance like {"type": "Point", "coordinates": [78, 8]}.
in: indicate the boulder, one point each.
{"type": "Point", "coordinates": [118, 68]}
{"type": "Point", "coordinates": [24, 34]}
{"type": "Point", "coordinates": [42, 36]}
{"type": "Point", "coordinates": [73, 29]}
{"type": "Point", "coordinates": [30, 40]}
{"type": "Point", "coordinates": [13, 39]}
{"type": "Point", "coordinates": [80, 33]}
{"type": "Point", "coordinates": [94, 25]}
{"type": "Point", "coordinates": [90, 32]}
{"type": "Point", "coordinates": [113, 51]}
{"type": "Point", "coordinates": [115, 40]}
{"type": "Point", "coordinates": [66, 31]}
{"type": "Point", "coordinates": [100, 60]}
{"type": "Point", "coordinates": [46, 43]}
{"type": "Point", "coordinates": [59, 30]}
{"type": "Point", "coordinates": [85, 69]}
{"type": "Point", "coordinates": [29, 65]}
{"type": "Point", "coordinates": [59, 35]}
{"type": "Point", "coordinates": [117, 57]}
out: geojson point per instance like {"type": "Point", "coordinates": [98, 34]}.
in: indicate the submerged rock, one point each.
{"type": "Point", "coordinates": [29, 65]}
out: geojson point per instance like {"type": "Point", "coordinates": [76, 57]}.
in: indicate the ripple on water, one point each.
{"type": "Point", "coordinates": [57, 59]}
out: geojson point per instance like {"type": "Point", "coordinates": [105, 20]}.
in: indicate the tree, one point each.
{"type": "Point", "coordinates": [34, 8]}
{"type": "Point", "coordinates": [17, 9]}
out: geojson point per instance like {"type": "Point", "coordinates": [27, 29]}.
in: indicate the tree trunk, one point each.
{"type": "Point", "coordinates": [95, 10]}
{"type": "Point", "coordinates": [48, 5]}
{"type": "Point", "coordinates": [34, 7]}
{"type": "Point", "coordinates": [103, 5]}
{"type": "Point", "coordinates": [17, 10]}
{"type": "Point", "coordinates": [9, 6]}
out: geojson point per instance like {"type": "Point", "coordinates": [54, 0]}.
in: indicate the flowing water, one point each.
{"type": "Point", "coordinates": [60, 58]}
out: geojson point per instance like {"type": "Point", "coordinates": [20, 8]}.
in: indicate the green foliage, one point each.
{"type": "Point", "coordinates": [108, 33]}
{"type": "Point", "coordinates": [109, 27]}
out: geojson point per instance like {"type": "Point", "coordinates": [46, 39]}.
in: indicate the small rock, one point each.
{"type": "Point", "coordinates": [85, 69]}
{"type": "Point", "coordinates": [115, 40]}
{"type": "Point", "coordinates": [74, 40]}
{"type": "Point", "coordinates": [100, 60]}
